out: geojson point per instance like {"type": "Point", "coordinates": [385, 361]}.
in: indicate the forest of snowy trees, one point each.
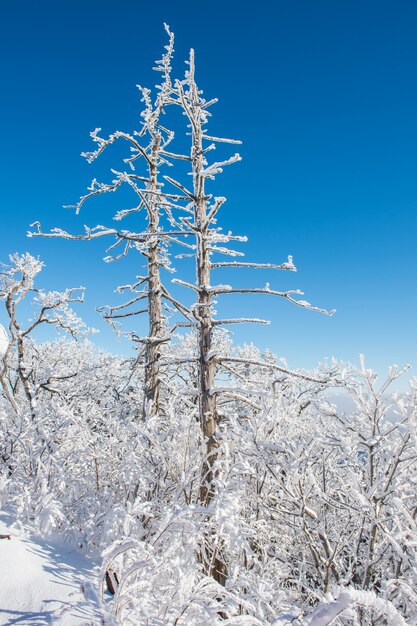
{"type": "Point", "coordinates": [217, 485]}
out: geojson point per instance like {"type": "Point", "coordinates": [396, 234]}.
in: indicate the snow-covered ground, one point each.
{"type": "Point", "coordinates": [40, 581]}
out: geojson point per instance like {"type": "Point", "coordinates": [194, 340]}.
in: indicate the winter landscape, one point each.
{"type": "Point", "coordinates": [187, 476]}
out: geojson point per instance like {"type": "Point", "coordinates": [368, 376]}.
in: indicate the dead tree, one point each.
{"type": "Point", "coordinates": [191, 214]}
{"type": "Point", "coordinates": [149, 147]}
{"type": "Point", "coordinates": [210, 241]}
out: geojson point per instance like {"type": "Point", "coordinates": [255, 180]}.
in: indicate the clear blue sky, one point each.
{"type": "Point", "coordinates": [323, 95]}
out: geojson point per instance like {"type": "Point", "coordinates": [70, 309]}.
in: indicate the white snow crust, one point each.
{"type": "Point", "coordinates": [41, 581]}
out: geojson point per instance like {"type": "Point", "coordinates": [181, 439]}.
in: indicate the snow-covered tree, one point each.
{"type": "Point", "coordinates": [247, 495]}
{"type": "Point", "coordinates": [17, 281]}
{"type": "Point", "coordinates": [200, 221]}
{"type": "Point", "coordinates": [149, 148]}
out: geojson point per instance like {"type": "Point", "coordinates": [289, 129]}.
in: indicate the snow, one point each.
{"type": "Point", "coordinates": [326, 613]}
{"type": "Point", "coordinates": [3, 340]}
{"type": "Point", "coordinates": [41, 581]}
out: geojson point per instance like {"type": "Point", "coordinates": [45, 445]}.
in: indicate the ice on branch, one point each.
{"type": "Point", "coordinates": [221, 139]}
{"type": "Point", "coordinates": [217, 168]}
{"type": "Point", "coordinates": [19, 275]}
{"type": "Point", "coordinates": [288, 265]}
{"type": "Point", "coordinates": [148, 152]}
{"type": "Point", "coordinates": [53, 307]}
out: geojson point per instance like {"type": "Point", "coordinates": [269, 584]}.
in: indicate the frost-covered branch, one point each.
{"type": "Point", "coordinates": [17, 280]}
{"type": "Point", "coordinates": [288, 265]}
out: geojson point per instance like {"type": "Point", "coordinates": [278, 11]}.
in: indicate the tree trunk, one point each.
{"type": "Point", "coordinates": [153, 346]}
{"type": "Point", "coordinates": [206, 359]}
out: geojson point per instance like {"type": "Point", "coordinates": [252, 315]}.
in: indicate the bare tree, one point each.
{"type": "Point", "coordinates": [191, 213]}
{"type": "Point", "coordinates": [52, 308]}
{"type": "Point", "coordinates": [149, 147]}
{"type": "Point", "coordinates": [209, 241]}
{"type": "Point", "coordinates": [17, 360]}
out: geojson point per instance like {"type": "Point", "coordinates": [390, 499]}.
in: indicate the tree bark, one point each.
{"type": "Point", "coordinates": [153, 347]}
{"type": "Point", "coordinates": [206, 359]}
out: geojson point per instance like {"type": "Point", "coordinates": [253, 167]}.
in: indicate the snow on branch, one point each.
{"type": "Point", "coordinates": [173, 155]}
{"type": "Point", "coordinates": [288, 265]}
{"type": "Point", "coordinates": [225, 251]}
{"type": "Point", "coordinates": [327, 612]}
{"type": "Point", "coordinates": [54, 309]}
{"type": "Point", "coordinates": [274, 366]}
{"type": "Point", "coordinates": [104, 143]}
{"type": "Point", "coordinates": [177, 304]}
{"type": "Point", "coordinates": [164, 64]}
{"type": "Point", "coordinates": [217, 168]}
{"type": "Point", "coordinates": [178, 281]}
{"type": "Point", "coordinates": [102, 231]}
{"type": "Point", "coordinates": [111, 312]}
{"type": "Point", "coordinates": [241, 320]}
{"type": "Point", "coordinates": [18, 277]}
{"type": "Point", "coordinates": [218, 203]}
{"type": "Point", "coordinates": [95, 189]}
{"type": "Point", "coordinates": [179, 186]}
{"type": "Point", "coordinates": [287, 295]}
{"type": "Point", "coordinates": [241, 391]}
{"type": "Point", "coordinates": [221, 139]}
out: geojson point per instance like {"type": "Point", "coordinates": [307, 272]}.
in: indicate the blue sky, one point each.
{"type": "Point", "coordinates": [323, 95]}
